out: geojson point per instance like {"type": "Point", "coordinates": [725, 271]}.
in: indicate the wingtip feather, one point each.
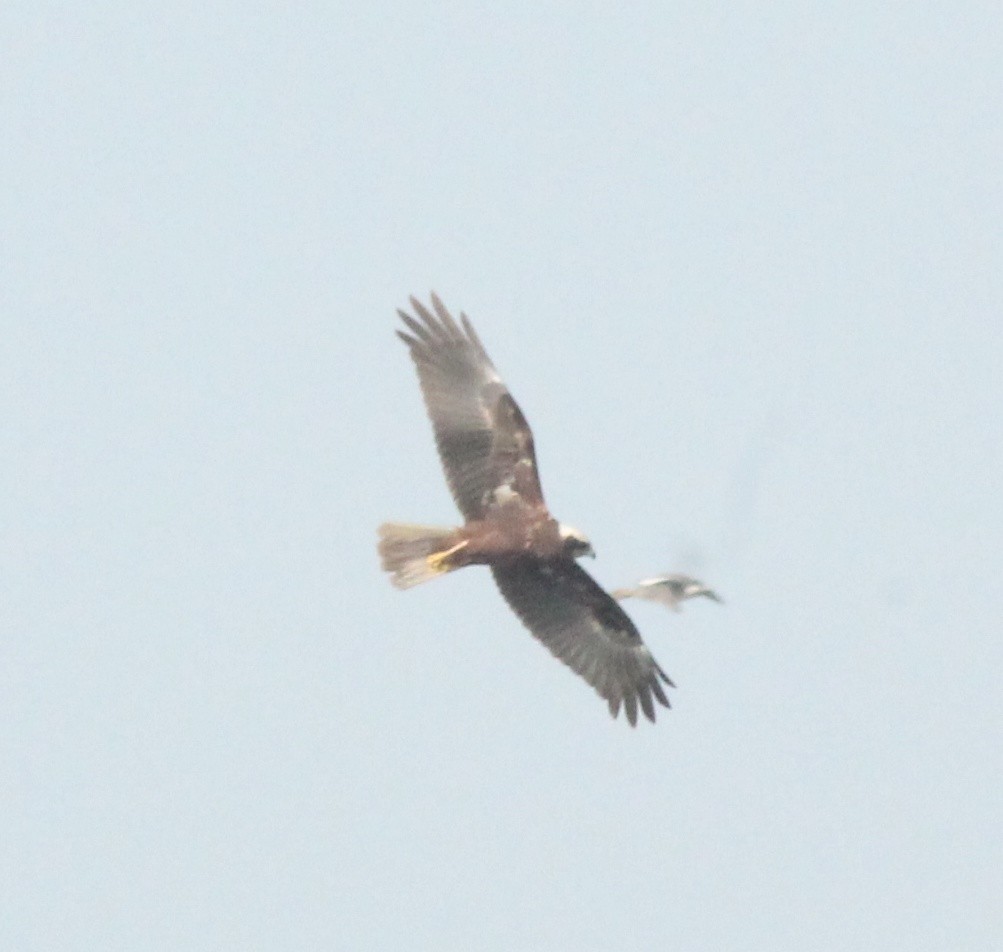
{"type": "Point", "coordinates": [646, 704]}
{"type": "Point", "coordinates": [630, 703]}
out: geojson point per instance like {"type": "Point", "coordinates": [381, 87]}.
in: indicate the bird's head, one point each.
{"type": "Point", "coordinates": [576, 544]}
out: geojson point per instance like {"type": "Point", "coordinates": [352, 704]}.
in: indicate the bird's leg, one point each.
{"type": "Point", "coordinates": [436, 561]}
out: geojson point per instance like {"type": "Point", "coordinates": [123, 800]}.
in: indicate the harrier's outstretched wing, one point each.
{"type": "Point", "coordinates": [484, 440]}
{"type": "Point", "coordinates": [560, 603]}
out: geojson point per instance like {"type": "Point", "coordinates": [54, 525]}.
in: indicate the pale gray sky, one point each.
{"type": "Point", "coordinates": [740, 266]}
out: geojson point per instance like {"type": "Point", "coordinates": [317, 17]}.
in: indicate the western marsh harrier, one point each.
{"type": "Point", "coordinates": [486, 448]}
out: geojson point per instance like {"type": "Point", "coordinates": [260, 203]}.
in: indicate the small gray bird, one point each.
{"type": "Point", "coordinates": [669, 590]}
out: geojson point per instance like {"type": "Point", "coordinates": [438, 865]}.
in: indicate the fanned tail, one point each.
{"type": "Point", "coordinates": [415, 554]}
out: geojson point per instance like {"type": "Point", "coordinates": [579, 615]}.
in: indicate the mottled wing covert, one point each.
{"type": "Point", "coordinates": [483, 439]}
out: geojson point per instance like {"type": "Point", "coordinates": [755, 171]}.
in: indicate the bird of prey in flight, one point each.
{"type": "Point", "coordinates": [486, 449]}
{"type": "Point", "coordinates": [669, 590]}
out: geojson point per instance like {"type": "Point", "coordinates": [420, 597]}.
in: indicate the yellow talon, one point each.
{"type": "Point", "coordinates": [436, 559]}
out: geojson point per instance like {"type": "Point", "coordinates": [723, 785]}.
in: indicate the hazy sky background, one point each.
{"type": "Point", "coordinates": [740, 265]}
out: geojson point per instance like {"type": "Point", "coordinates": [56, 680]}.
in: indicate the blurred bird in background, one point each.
{"type": "Point", "coordinates": [669, 590]}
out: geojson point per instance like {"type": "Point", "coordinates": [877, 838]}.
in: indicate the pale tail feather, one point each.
{"type": "Point", "coordinates": [653, 593]}
{"type": "Point", "coordinates": [621, 593]}
{"type": "Point", "coordinates": [414, 554]}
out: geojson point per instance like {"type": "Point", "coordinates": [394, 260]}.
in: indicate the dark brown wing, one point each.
{"type": "Point", "coordinates": [484, 441]}
{"type": "Point", "coordinates": [561, 604]}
